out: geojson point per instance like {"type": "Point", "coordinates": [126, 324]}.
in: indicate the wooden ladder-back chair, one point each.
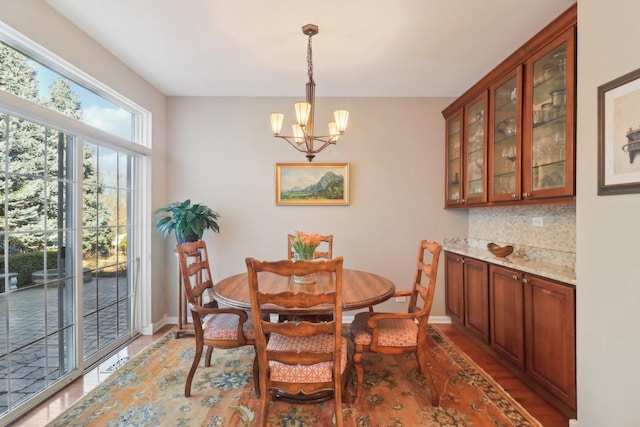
{"type": "Point", "coordinates": [325, 250]}
{"type": "Point", "coordinates": [298, 357]}
{"type": "Point", "coordinates": [213, 326]}
{"type": "Point", "coordinates": [400, 333]}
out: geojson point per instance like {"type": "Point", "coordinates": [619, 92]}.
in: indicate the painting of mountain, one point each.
{"type": "Point", "coordinates": [304, 184]}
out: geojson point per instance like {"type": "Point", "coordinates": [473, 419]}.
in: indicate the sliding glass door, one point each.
{"type": "Point", "coordinates": [65, 263]}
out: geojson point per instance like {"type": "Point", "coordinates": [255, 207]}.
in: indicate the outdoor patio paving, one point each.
{"type": "Point", "coordinates": [34, 361]}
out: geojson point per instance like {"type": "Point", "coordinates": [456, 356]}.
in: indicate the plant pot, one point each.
{"type": "Point", "coordinates": [193, 237]}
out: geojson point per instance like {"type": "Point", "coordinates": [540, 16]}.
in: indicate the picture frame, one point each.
{"type": "Point", "coordinates": [304, 184]}
{"type": "Point", "coordinates": [619, 135]}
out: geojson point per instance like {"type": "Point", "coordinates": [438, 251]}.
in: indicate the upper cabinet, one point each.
{"type": "Point", "coordinates": [453, 166]}
{"type": "Point", "coordinates": [511, 137]}
{"type": "Point", "coordinates": [505, 148]}
{"type": "Point", "coordinates": [466, 165]}
{"type": "Point", "coordinates": [549, 131]}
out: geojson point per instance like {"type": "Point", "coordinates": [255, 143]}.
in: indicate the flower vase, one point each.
{"type": "Point", "coordinates": [305, 279]}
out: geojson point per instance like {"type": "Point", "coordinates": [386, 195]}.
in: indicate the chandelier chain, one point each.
{"type": "Point", "coordinates": [310, 61]}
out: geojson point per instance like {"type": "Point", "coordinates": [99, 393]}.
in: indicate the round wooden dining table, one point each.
{"type": "Point", "coordinates": [360, 289]}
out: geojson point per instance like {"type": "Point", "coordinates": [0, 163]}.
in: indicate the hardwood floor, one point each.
{"type": "Point", "coordinates": [61, 401]}
{"type": "Point", "coordinates": [532, 402]}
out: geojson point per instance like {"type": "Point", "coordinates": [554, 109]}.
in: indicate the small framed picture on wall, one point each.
{"type": "Point", "coordinates": [619, 135]}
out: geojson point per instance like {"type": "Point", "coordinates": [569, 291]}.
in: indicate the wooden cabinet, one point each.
{"type": "Point", "coordinates": [516, 126]}
{"type": "Point", "coordinates": [526, 320]}
{"type": "Point", "coordinates": [549, 123]}
{"type": "Point", "coordinates": [475, 151]}
{"type": "Point", "coordinates": [476, 301]}
{"type": "Point", "coordinates": [505, 137]}
{"type": "Point", "coordinates": [550, 336]}
{"type": "Point", "coordinates": [467, 296]}
{"type": "Point", "coordinates": [453, 165]}
{"type": "Point", "coordinates": [466, 164]}
{"type": "Point", "coordinates": [506, 296]}
{"type": "Point", "coordinates": [454, 288]}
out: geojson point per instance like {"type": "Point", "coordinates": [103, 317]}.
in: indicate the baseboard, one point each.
{"type": "Point", "coordinates": [152, 328]}
{"type": "Point", "coordinates": [346, 318]}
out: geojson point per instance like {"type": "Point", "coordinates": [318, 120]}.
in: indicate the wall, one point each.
{"type": "Point", "coordinates": [222, 153]}
{"type": "Point", "coordinates": [608, 231]}
{"type": "Point", "coordinates": [37, 21]}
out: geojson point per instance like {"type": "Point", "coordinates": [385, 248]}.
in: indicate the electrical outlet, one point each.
{"type": "Point", "coordinates": [401, 299]}
{"type": "Point", "coordinates": [537, 221]}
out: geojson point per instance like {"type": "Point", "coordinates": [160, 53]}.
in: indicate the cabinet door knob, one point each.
{"type": "Point", "coordinates": [525, 280]}
{"type": "Point", "coordinates": [526, 194]}
{"type": "Point", "coordinates": [515, 277]}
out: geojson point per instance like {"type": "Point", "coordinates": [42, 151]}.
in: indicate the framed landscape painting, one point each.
{"type": "Point", "coordinates": [312, 184]}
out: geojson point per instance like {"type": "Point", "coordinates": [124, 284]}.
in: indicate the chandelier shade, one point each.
{"type": "Point", "coordinates": [303, 138]}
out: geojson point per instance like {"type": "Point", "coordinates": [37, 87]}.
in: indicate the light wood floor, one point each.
{"type": "Point", "coordinates": [532, 402]}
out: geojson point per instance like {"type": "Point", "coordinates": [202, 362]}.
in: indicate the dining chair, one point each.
{"type": "Point", "coordinates": [401, 333]}
{"type": "Point", "coordinates": [298, 358]}
{"type": "Point", "coordinates": [214, 327]}
{"type": "Point", "coordinates": [325, 250]}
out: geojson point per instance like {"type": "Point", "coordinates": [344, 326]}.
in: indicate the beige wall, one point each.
{"type": "Point", "coordinates": [608, 231]}
{"type": "Point", "coordinates": [222, 153]}
{"type": "Point", "coordinates": [37, 21]}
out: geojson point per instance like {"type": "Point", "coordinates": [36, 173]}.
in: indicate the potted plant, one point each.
{"type": "Point", "coordinates": [188, 221]}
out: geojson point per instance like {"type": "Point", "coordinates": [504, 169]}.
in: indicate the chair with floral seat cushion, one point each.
{"type": "Point", "coordinates": [298, 357]}
{"type": "Point", "coordinates": [401, 333]}
{"type": "Point", "coordinates": [213, 326]}
{"type": "Point", "coordinates": [323, 251]}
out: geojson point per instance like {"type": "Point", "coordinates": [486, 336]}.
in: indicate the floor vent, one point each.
{"type": "Point", "coordinates": [112, 368]}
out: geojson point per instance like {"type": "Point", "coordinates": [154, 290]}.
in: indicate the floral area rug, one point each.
{"type": "Point", "coordinates": [149, 391]}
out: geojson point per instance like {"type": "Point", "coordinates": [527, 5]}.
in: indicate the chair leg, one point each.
{"type": "Point", "coordinates": [357, 363]}
{"type": "Point", "coordinates": [426, 373]}
{"type": "Point", "coordinates": [194, 366]}
{"type": "Point", "coordinates": [256, 375]}
{"type": "Point", "coordinates": [207, 357]}
{"type": "Point", "coordinates": [337, 401]}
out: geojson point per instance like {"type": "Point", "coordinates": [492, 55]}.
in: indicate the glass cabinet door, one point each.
{"type": "Point", "coordinates": [475, 151]}
{"type": "Point", "coordinates": [506, 136]}
{"type": "Point", "coordinates": [454, 160]}
{"type": "Point", "coordinates": [550, 164]}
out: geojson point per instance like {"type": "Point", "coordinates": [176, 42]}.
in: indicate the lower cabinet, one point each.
{"type": "Point", "coordinates": [506, 296]}
{"type": "Point", "coordinates": [476, 298]}
{"type": "Point", "coordinates": [454, 279]}
{"type": "Point", "coordinates": [527, 320]}
{"type": "Point", "coordinates": [550, 333]}
{"type": "Point", "coordinates": [467, 296]}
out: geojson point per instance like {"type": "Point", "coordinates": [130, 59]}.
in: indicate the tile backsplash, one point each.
{"type": "Point", "coordinates": [552, 239]}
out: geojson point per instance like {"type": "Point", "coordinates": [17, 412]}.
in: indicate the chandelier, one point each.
{"type": "Point", "coordinates": [303, 138]}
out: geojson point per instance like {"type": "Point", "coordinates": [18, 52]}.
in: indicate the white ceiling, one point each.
{"type": "Point", "coordinates": [364, 47]}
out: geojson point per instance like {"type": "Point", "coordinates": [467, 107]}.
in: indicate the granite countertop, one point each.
{"type": "Point", "coordinates": [544, 269]}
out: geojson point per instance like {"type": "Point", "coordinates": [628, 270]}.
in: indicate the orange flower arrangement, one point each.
{"type": "Point", "coordinates": [304, 245]}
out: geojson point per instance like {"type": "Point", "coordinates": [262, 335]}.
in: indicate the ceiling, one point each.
{"type": "Point", "coordinates": [364, 48]}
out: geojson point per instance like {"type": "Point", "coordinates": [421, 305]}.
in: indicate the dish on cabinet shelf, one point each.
{"type": "Point", "coordinates": [507, 127]}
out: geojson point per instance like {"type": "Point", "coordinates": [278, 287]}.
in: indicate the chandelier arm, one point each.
{"type": "Point", "coordinates": [293, 144]}
{"type": "Point", "coordinates": [325, 145]}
